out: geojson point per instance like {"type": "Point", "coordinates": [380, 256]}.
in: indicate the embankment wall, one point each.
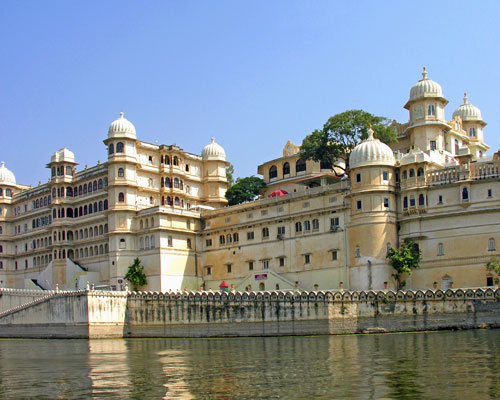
{"type": "Point", "coordinates": [96, 314]}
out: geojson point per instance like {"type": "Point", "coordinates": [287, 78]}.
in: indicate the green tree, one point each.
{"type": "Point", "coordinates": [135, 274]}
{"type": "Point", "coordinates": [245, 189]}
{"type": "Point", "coordinates": [494, 266]}
{"type": "Point", "coordinates": [230, 174]}
{"type": "Point", "coordinates": [404, 260]}
{"type": "Point", "coordinates": [341, 133]}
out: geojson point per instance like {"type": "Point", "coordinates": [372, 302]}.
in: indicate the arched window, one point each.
{"type": "Point", "coordinates": [121, 173]}
{"type": "Point", "coordinates": [152, 242]}
{"type": "Point", "coordinates": [95, 207]}
{"type": "Point", "coordinates": [176, 161]}
{"type": "Point", "coordinates": [177, 201]}
{"type": "Point", "coordinates": [69, 192]}
{"type": "Point", "coordinates": [176, 183]}
{"type": "Point", "coordinates": [119, 147]}
{"type": "Point", "coordinates": [105, 181]}
{"type": "Point", "coordinates": [298, 227]}
{"type": "Point", "coordinates": [412, 173]}
{"type": "Point", "coordinates": [456, 146]}
{"type": "Point", "coordinates": [146, 242]}
{"type": "Point", "coordinates": [229, 238]}
{"type": "Point", "coordinates": [421, 200]}
{"type": "Point", "coordinates": [188, 243]}
{"type": "Point", "coordinates": [491, 244]}
{"type": "Point", "coordinates": [431, 110]}
{"type": "Point", "coordinates": [80, 190]}
{"type": "Point", "coordinates": [99, 184]}
{"type": "Point", "coordinates": [168, 183]}
{"type": "Point", "coordinates": [94, 186]}
{"type": "Point", "coordinates": [420, 172]}
{"type": "Point", "coordinates": [300, 165]}
{"type": "Point", "coordinates": [162, 182]}
{"type": "Point", "coordinates": [472, 132]}
{"type": "Point", "coordinates": [167, 160]}
{"type": "Point", "coordinates": [69, 170]}
{"type": "Point", "coordinates": [111, 149]}
{"type": "Point", "coordinates": [405, 174]}
{"type": "Point", "coordinates": [123, 244]}
{"type": "Point", "coordinates": [169, 201]}
{"type": "Point", "coordinates": [151, 200]}
{"type": "Point", "coordinates": [53, 171]}
{"type": "Point", "coordinates": [273, 172]}
{"type": "Point", "coordinates": [307, 225]}
{"type": "Point", "coordinates": [405, 203]}
{"type": "Point", "coordinates": [89, 187]}
{"type": "Point", "coordinates": [101, 230]}
{"type": "Point", "coordinates": [222, 239]}
{"type": "Point", "coordinates": [105, 204]}
{"type": "Point", "coordinates": [465, 194]}
{"type": "Point", "coordinates": [121, 197]}
{"type": "Point", "coordinates": [100, 205]}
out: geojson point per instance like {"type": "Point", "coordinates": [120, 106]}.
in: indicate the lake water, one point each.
{"type": "Point", "coordinates": [436, 365]}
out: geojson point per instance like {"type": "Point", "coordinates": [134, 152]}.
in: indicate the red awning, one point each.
{"type": "Point", "coordinates": [223, 284]}
{"type": "Point", "coordinates": [277, 193]}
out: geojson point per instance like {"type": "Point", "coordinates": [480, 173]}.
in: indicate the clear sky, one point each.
{"type": "Point", "coordinates": [253, 74]}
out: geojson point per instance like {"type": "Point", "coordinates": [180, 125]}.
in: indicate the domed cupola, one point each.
{"type": "Point", "coordinates": [213, 151]}
{"type": "Point", "coordinates": [6, 176]}
{"type": "Point", "coordinates": [467, 111]}
{"type": "Point", "coordinates": [371, 152]}
{"type": "Point", "coordinates": [121, 127]}
{"type": "Point", "coordinates": [425, 88]}
{"type": "Point", "coordinates": [63, 155]}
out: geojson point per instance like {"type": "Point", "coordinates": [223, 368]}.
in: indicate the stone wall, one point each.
{"type": "Point", "coordinates": [207, 314]}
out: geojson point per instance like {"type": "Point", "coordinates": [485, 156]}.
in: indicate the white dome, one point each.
{"type": "Point", "coordinates": [121, 127]}
{"type": "Point", "coordinates": [425, 87]}
{"type": "Point", "coordinates": [467, 111]}
{"type": "Point", "coordinates": [371, 152]}
{"type": "Point", "coordinates": [6, 176]}
{"type": "Point", "coordinates": [213, 151]}
{"type": "Point", "coordinates": [63, 155]}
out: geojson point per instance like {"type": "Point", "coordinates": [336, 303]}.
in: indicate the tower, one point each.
{"type": "Point", "coordinates": [214, 174]}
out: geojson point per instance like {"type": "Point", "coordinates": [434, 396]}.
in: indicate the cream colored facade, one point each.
{"type": "Point", "coordinates": [167, 207]}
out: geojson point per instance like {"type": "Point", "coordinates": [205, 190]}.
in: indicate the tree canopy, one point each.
{"type": "Point", "coordinates": [341, 133]}
{"type": "Point", "coordinates": [245, 189]}
{"type": "Point", "coordinates": [494, 266]}
{"type": "Point", "coordinates": [230, 174]}
{"type": "Point", "coordinates": [404, 260]}
{"type": "Point", "coordinates": [135, 274]}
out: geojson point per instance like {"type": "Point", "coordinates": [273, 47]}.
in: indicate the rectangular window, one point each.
{"type": "Point", "coordinates": [250, 265]}
{"type": "Point", "coordinates": [412, 201]}
{"type": "Point", "coordinates": [433, 144]}
{"type": "Point", "coordinates": [491, 244]}
{"type": "Point", "coordinates": [334, 255]}
{"type": "Point", "coordinates": [208, 270]}
{"type": "Point", "coordinates": [305, 205]}
{"type": "Point", "coordinates": [228, 266]}
{"type": "Point", "coordinates": [358, 252]}
{"type": "Point", "coordinates": [307, 258]}
{"type": "Point", "coordinates": [282, 261]}
{"type": "Point", "coordinates": [386, 202]}
{"type": "Point", "coordinates": [440, 249]}
{"type": "Point", "coordinates": [334, 223]}
{"type": "Point", "coordinates": [250, 235]}
{"type": "Point", "coordinates": [208, 242]}
{"type": "Point", "coordinates": [490, 193]}
{"type": "Point", "coordinates": [359, 205]}
{"type": "Point", "coordinates": [265, 264]}
{"type": "Point", "coordinates": [281, 230]}
{"type": "Point", "coordinates": [440, 199]}
{"type": "Point", "coordinates": [265, 233]}
{"type": "Point", "coordinates": [358, 178]}
{"type": "Point", "coordinates": [385, 176]}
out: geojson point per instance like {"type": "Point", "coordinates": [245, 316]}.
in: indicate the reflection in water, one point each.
{"type": "Point", "coordinates": [398, 366]}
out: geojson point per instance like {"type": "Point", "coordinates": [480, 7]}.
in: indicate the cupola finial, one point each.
{"type": "Point", "coordinates": [121, 114]}
{"type": "Point", "coordinates": [212, 139]}
{"type": "Point", "coordinates": [466, 99]}
{"type": "Point", "coordinates": [370, 133]}
{"type": "Point", "coordinates": [424, 73]}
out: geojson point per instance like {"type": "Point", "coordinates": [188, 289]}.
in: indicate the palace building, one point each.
{"type": "Point", "coordinates": [309, 228]}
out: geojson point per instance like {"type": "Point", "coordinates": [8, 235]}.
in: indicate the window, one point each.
{"type": "Point", "coordinates": [491, 244]}
{"type": "Point", "coordinates": [208, 242]}
{"type": "Point", "coordinates": [440, 199]}
{"type": "Point", "coordinates": [472, 132]}
{"type": "Point", "coordinates": [357, 252]}
{"type": "Point", "coordinates": [121, 198]}
{"type": "Point", "coordinates": [121, 174]}
{"type": "Point", "coordinates": [286, 168]}
{"type": "Point", "coordinates": [265, 264]}
{"type": "Point", "coordinates": [250, 265]}
{"type": "Point", "coordinates": [359, 205]}
{"type": "Point", "coordinates": [298, 227]}
{"type": "Point", "coordinates": [412, 201]}
{"type": "Point", "coordinates": [465, 194]}
{"type": "Point", "coordinates": [307, 258]}
{"type": "Point", "coordinates": [334, 255]}
{"type": "Point", "coordinates": [150, 160]}
{"type": "Point", "coordinates": [282, 261]}
{"type": "Point", "coordinates": [228, 267]}
{"type": "Point", "coordinates": [358, 178]}
{"type": "Point", "coordinates": [111, 149]}
{"type": "Point", "coordinates": [229, 238]}
{"type": "Point", "coordinates": [315, 224]}
{"type": "Point", "coordinates": [334, 223]}
{"type": "Point", "coordinates": [250, 235]}
{"type": "Point", "coordinates": [412, 173]}
{"type": "Point", "coordinates": [489, 281]}
{"type": "Point", "coordinates": [208, 270]}
{"type": "Point", "coordinates": [405, 174]}
{"type": "Point", "coordinates": [431, 110]}
{"type": "Point", "coordinates": [440, 249]}
{"type": "Point", "coordinates": [490, 193]}
{"type": "Point", "coordinates": [386, 202]}
{"type": "Point", "coordinates": [281, 230]}
{"type": "Point", "coordinates": [420, 172]}
{"type": "Point", "coordinates": [300, 165]}
{"type": "Point", "coordinates": [456, 146]}
{"type": "Point", "coordinates": [265, 233]}
{"type": "Point", "coordinates": [307, 226]}
{"type": "Point", "coordinates": [119, 147]}
{"type": "Point", "coordinates": [421, 200]}
{"type": "Point", "coordinates": [385, 176]}
{"type": "Point", "coordinates": [222, 239]}
{"type": "Point", "coordinates": [169, 241]}
{"type": "Point", "coordinates": [123, 244]}
{"type": "Point", "coordinates": [433, 145]}
{"type": "Point", "coordinates": [273, 172]}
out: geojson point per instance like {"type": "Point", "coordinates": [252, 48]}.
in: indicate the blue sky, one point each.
{"type": "Point", "coordinates": [253, 74]}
